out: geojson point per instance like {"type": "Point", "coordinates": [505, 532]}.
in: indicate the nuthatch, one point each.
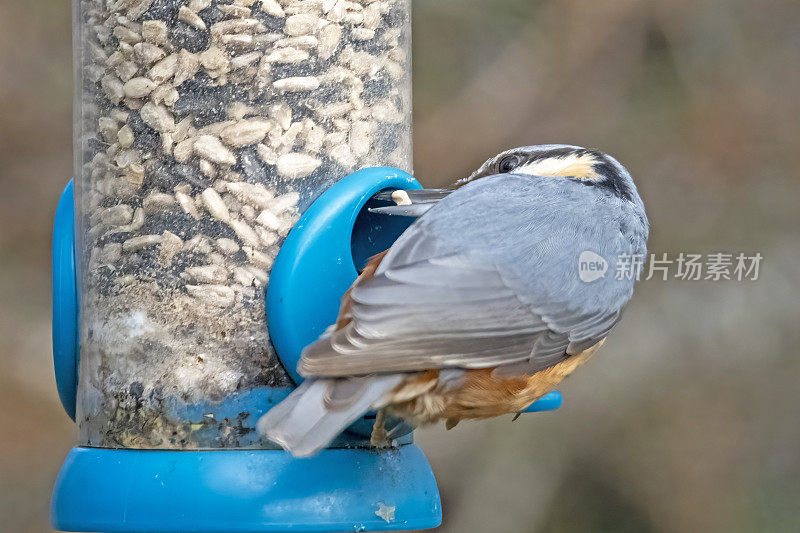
{"type": "Point", "coordinates": [479, 308]}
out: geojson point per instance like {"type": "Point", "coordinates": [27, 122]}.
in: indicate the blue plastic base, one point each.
{"type": "Point", "coordinates": [241, 491]}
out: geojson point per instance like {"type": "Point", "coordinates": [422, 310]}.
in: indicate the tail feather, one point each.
{"type": "Point", "coordinates": [304, 422]}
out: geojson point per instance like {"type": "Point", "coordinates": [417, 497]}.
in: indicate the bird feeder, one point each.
{"type": "Point", "coordinates": [227, 152]}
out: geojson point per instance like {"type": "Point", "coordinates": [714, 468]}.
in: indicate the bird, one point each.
{"type": "Point", "coordinates": [478, 309]}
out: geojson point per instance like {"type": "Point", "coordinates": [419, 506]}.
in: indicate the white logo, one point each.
{"type": "Point", "coordinates": [591, 266]}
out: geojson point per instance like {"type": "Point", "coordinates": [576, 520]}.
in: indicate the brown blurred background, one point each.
{"type": "Point", "coordinates": [689, 420]}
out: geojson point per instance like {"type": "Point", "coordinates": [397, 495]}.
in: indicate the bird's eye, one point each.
{"type": "Point", "coordinates": [508, 163]}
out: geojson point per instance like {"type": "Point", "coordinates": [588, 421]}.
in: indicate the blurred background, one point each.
{"type": "Point", "coordinates": [689, 420]}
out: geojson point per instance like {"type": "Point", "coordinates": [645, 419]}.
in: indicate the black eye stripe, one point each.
{"type": "Point", "coordinates": [508, 163]}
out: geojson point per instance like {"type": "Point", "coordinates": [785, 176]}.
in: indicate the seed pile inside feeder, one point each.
{"type": "Point", "coordinates": [206, 127]}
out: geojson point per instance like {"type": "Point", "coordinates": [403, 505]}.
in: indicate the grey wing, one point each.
{"type": "Point", "coordinates": [436, 302]}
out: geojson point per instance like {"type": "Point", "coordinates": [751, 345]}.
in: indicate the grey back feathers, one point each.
{"type": "Point", "coordinates": [489, 276]}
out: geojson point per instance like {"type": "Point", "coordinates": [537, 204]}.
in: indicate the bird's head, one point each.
{"type": "Point", "coordinates": [590, 167]}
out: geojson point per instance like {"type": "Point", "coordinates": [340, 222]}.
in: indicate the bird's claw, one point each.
{"type": "Point", "coordinates": [379, 437]}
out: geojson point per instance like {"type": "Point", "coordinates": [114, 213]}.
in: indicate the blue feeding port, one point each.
{"type": "Point", "coordinates": [65, 302]}
{"type": "Point", "coordinates": [344, 488]}
{"type": "Point", "coordinates": [321, 257]}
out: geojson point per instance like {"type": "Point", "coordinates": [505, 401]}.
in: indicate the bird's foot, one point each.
{"type": "Point", "coordinates": [380, 437]}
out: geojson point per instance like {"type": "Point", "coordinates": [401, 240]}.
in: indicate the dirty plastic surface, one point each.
{"type": "Point", "coordinates": [245, 491]}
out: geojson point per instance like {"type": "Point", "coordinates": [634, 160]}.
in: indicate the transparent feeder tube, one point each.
{"type": "Point", "coordinates": [204, 128]}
